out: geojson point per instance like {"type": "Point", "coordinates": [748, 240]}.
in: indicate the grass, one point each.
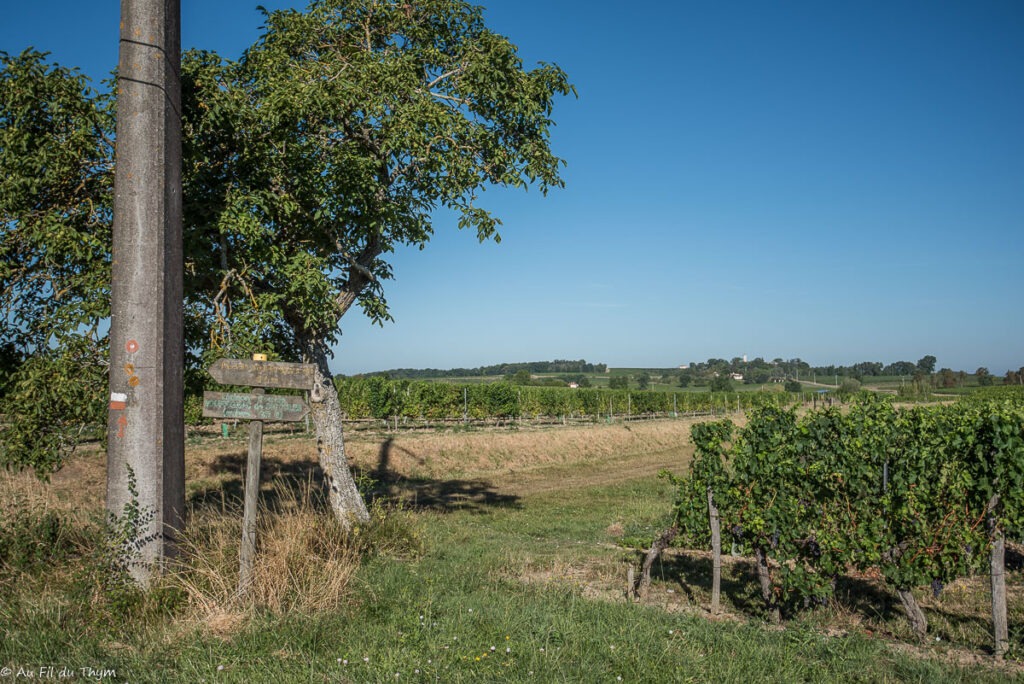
{"type": "Point", "coordinates": [510, 570]}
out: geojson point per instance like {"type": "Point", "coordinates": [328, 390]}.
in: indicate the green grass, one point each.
{"type": "Point", "coordinates": [499, 595]}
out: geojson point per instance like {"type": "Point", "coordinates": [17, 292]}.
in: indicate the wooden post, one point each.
{"type": "Point", "coordinates": [997, 566]}
{"type": "Point", "coordinates": [716, 553]}
{"type": "Point", "coordinates": [247, 553]}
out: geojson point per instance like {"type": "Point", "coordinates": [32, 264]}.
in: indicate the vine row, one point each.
{"type": "Point", "coordinates": [381, 398]}
{"type": "Point", "coordinates": [921, 495]}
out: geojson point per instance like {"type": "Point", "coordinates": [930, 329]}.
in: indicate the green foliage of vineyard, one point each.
{"type": "Point", "coordinates": [920, 494]}
{"type": "Point", "coordinates": [382, 398]}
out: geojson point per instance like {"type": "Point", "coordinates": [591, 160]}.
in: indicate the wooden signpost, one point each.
{"type": "Point", "coordinates": [277, 374]}
{"type": "Point", "coordinates": [264, 407]}
{"type": "Point", "coordinates": [256, 407]}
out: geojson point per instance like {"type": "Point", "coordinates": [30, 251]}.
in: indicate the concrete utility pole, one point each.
{"type": "Point", "coordinates": [146, 417]}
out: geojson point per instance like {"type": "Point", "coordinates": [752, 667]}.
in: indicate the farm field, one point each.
{"type": "Point", "coordinates": [503, 557]}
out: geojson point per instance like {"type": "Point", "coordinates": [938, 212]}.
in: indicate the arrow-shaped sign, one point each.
{"type": "Point", "coordinates": [300, 376]}
{"type": "Point", "coordinates": [270, 407]}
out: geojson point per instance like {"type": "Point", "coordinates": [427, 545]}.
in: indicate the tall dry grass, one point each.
{"type": "Point", "coordinates": [305, 559]}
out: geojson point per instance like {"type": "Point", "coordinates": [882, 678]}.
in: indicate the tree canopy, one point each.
{"type": "Point", "coordinates": [331, 142]}
{"type": "Point", "coordinates": [56, 175]}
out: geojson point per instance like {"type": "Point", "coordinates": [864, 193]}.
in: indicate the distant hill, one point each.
{"type": "Point", "coordinates": [497, 370]}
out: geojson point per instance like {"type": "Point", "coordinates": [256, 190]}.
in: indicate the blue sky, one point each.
{"type": "Point", "coordinates": [839, 182]}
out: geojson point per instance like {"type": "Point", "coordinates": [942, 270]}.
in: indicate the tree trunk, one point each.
{"type": "Point", "coordinates": [716, 553]}
{"type": "Point", "coordinates": [325, 410]}
{"type": "Point", "coordinates": [659, 545]}
{"type": "Point", "coordinates": [765, 578]}
{"type": "Point", "coordinates": [997, 563]}
{"type": "Point", "coordinates": [918, 622]}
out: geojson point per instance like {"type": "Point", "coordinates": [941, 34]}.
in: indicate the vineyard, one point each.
{"type": "Point", "coordinates": [406, 401]}
{"type": "Point", "coordinates": [920, 496]}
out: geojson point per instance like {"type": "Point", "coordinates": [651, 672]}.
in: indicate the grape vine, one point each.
{"type": "Point", "coordinates": [921, 495]}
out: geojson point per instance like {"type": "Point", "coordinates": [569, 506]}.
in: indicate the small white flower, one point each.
{"type": "Point", "coordinates": [612, 647]}
{"type": "Point", "coordinates": [508, 650]}
{"type": "Point", "coordinates": [671, 631]}
{"type": "Point", "coordinates": [344, 662]}
{"type": "Point", "coordinates": [619, 678]}
{"type": "Point", "coordinates": [366, 659]}
{"type": "Point", "coordinates": [492, 648]}
{"type": "Point", "coordinates": [470, 610]}
{"type": "Point", "coordinates": [219, 668]}
{"type": "Point", "coordinates": [416, 671]}
{"type": "Point", "coordinates": [541, 650]}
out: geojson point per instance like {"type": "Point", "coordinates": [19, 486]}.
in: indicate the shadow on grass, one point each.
{"type": "Point", "coordinates": [868, 598]}
{"type": "Point", "coordinates": [421, 493]}
{"type": "Point", "coordinates": [383, 484]}
{"type": "Point", "coordinates": [692, 572]}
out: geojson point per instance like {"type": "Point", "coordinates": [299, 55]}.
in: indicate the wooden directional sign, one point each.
{"type": "Point", "coordinates": [270, 407]}
{"type": "Point", "coordinates": [299, 376]}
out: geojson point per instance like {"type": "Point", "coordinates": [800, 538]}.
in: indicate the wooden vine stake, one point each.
{"type": "Point", "coordinates": [716, 553]}
{"type": "Point", "coordinates": [997, 564]}
{"type": "Point", "coordinates": [256, 407]}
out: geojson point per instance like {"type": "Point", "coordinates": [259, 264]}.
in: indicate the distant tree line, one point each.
{"type": "Point", "coordinates": [497, 370]}
{"type": "Point", "coordinates": [715, 373]}
{"type": "Point", "coordinates": [760, 371]}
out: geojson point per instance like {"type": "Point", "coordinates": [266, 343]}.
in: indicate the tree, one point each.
{"type": "Point", "coordinates": [643, 381]}
{"type": "Point", "coordinates": [520, 377]}
{"type": "Point", "coordinates": [349, 124]}
{"type": "Point", "coordinates": [721, 383]}
{"type": "Point", "coordinates": [983, 376]}
{"type": "Point", "coordinates": [327, 146]}
{"type": "Point", "coordinates": [759, 376]}
{"type": "Point", "coordinates": [55, 218]}
{"type": "Point", "coordinates": [927, 364]}
{"type": "Point", "coordinates": [793, 386]}
{"type": "Point", "coordinates": [618, 382]}
{"type": "Point", "coordinates": [900, 368]}
{"type": "Point", "coordinates": [848, 387]}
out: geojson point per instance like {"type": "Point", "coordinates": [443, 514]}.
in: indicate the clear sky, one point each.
{"type": "Point", "coordinates": [835, 181]}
